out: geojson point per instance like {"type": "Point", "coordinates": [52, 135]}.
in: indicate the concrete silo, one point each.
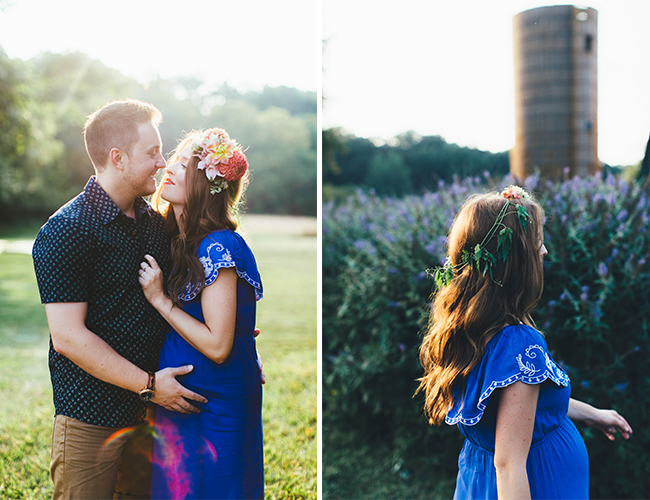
{"type": "Point", "coordinates": [555, 61]}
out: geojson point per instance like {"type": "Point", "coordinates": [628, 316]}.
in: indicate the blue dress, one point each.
{"type": "Point", "coordinates": [557, 463]}
{"type": "Point", "coordinates": [218, 452]}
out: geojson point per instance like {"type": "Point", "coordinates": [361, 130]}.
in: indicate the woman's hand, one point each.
{"type": "Point", "coordinates": [607, 421]}
{"type": "Point", "coordinates": [256, 332]}
{"type": "Point", "coordinates": [261, 365]}
{"type": "Point", "coordinates": [151, 280]}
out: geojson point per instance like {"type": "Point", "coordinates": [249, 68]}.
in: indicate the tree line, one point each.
{"type": "Point", "coordinates": [44, 102]}
{"type": "Point", "coordinates": [407, 164]}
{"type": "Point", "coordinates": [413, 164]}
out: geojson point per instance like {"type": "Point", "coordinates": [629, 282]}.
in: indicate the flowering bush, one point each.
{"type": "Point", "coordinates": [595, 312]}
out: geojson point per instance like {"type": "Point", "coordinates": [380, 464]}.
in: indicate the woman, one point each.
{"type": "Point", "coordinates": [210, 306]}
{"type": "Point", "coordinates": [487, 370]}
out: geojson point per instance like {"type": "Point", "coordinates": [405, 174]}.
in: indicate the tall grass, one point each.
{"type": "Point", "coordinates": [286, 316]}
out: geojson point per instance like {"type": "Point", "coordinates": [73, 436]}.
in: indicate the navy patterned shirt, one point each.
{"type": "Point", "coordinates": [90, 251]}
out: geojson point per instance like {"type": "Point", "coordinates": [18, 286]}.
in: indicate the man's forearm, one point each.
{"type": "Point", "coordinates": [88, 351]}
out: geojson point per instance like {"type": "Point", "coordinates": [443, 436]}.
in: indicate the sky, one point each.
{"type": "Point", "coordinates": [446, 68]}
{"type": "Point", "coordinates": [431, 66]}
{"type": "Point", "coordinates": [248, 43]}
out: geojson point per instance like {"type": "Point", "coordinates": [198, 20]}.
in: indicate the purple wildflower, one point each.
{"type": "Point", "coordinates": [602, 269]}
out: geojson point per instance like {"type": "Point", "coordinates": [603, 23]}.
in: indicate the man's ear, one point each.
{"type": "Point", "coordinates": [116, 158]}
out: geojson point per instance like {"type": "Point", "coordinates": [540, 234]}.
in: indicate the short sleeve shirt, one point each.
{"type": "Point", "coordinates": [90, 251]}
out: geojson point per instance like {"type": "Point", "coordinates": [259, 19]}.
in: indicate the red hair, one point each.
{"type": "Point", "coordinates": [473, 307]}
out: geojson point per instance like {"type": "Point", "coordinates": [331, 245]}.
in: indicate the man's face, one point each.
{"type": "Point", "coordinates": [145, 159]}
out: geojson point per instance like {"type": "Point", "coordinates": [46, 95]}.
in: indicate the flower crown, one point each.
{"type": "Point", "coordinates": [221, 157]}
{"type": "Point", "coordinates": [480, 257]}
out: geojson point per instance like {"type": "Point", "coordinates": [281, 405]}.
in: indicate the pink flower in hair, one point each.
{"type": "Point", "coordinates": [514, 193]}
{"type": "Point", "coordinates": [212, 156]}
{"type": "Point", "coordinates": [211, 171]}
{"type": "Point", "coordinates": [235, 168]}
{"type": "Point", "coordinates": [220, 157]}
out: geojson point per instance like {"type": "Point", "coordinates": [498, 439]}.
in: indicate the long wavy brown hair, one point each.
{"type": "Point", "coordinates": [203, 213]}
{"type": "Point", "coordinates": [473, 307]}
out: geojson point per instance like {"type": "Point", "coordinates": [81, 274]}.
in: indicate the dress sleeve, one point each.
{"type": "Point", "coordinates": [222, 249]}
{"type": "Point", "coordinates": [62, 262]}
{"type": "Point", "coordinates": [519, 353]}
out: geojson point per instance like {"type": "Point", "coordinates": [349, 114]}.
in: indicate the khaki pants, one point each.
{"type": "Point", "coordinates": [90, 462]}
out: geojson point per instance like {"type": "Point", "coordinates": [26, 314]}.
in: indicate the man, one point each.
{"type": "Point", "coordinates": [105, 336]}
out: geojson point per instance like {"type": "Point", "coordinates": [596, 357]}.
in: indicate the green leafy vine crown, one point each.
{"type": "Point", "coordinates": [480, 257]}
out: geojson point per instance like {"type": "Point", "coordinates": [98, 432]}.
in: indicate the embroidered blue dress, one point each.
{"type": "Point", "coordinates": [218, 452]}
{"type": "Point", "coordinates": [557, 463]}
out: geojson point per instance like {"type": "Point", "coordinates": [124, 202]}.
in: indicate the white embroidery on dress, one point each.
{"type": "Point", "coordinates": [528, 373]}
{"type": "Point", "coordinates": [560, 376]}
{"type": "Point", "coordinates": [206, 262]}
{"type": "Point", "coordinates": [211, 269]}
{"type": "Point", "coordinates": [225, 260]}
{"type": "Point", "coordinates": [528, 368]}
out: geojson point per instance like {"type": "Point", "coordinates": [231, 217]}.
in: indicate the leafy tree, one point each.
{"type": "Point", "coordinates": [333, 144]}
{"type": "Point", "coordinates": [388, 174]}
{"type": "Point", "coordinates": [63, 89]}
{"type": "Point", "coordinates": [14, 132]}
{"type": "Point", "coordinates": [44, 103]}
{"type": "Point", "coordinates": [180, 102]}
{"type": "Point", "coordinates": [349, 160]}
{"type": "Point", "coordinates": [295, 101]}
{"type": "Point", "coordinates": [282, 161]}
{"type": "Point", "coordinates": [353, 159]}
{"type": "Point", "coordinates": [645, 163]}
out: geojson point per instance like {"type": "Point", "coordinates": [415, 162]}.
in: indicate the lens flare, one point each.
{"type": "Point", "coordinates": [117, 435]}
{"type": "Point", "coordinates": [171, 459]}
{"type": "Point", "coordinates": [208, 449]}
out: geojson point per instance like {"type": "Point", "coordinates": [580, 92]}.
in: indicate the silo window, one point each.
{"type": "Point", "coordinates": [590, 126]}
{"type": "Point", "coordinates": [589, 41]}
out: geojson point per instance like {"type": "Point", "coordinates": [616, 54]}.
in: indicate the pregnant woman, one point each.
{"type": "Point", "coordinates": [489, 371]}
{"type": "Point", "coordinates": [209, 301]}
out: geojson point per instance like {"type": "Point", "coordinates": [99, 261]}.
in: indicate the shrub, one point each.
{"type": "Point", "coordinates": [595, 312]}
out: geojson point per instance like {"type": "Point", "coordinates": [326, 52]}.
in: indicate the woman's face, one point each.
{"type": "Point", "coordinates": [173, 190]}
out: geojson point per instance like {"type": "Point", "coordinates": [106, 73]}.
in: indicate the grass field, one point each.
{"type": "Point", "coordinates": [285, 249]}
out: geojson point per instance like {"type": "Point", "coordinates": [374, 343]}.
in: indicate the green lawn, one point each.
{"type": "Point", "coordinates": [286, 316]}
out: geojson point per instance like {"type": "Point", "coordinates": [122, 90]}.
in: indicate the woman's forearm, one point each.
{"type": "Point", "coordinates": [608, 421]}
{"type": "Point", "coordinates": [512, 483]}
{"type": "Point", "coordinates": [213, 337]}
{"type": "Point", "coordinates": [580, 411]}
{"type": "Point", "coordinates": [197, 334]}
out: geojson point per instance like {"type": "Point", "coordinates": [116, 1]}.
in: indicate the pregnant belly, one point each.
{"type": "Point", "coordinates": [239, 373]}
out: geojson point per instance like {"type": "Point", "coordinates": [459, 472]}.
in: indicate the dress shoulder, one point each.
{"type": "Point", "coordinates": [516, 353]}
{"type": "Point", "coordinates": [224, 249]}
